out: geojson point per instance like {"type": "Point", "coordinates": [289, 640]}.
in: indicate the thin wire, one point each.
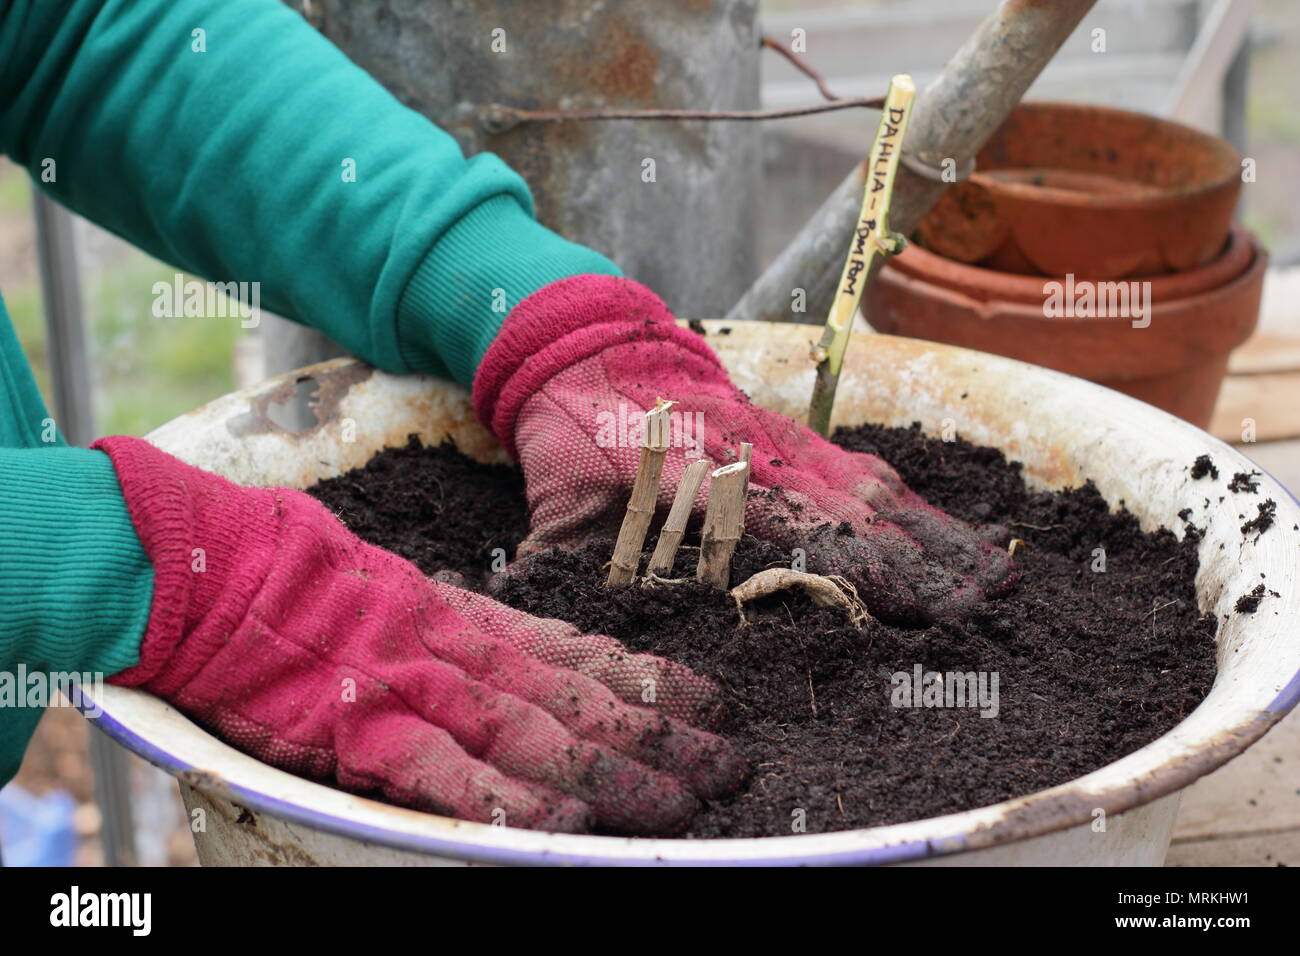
{"type": "Point", "coordinates": [501, 118]}
{"type": "Point", "coordinates": [498, 118]}
{"type": "Point", "coordinates": [801, 65]}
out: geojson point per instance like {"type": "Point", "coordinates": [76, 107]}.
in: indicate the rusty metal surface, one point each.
{"type": "Point", "coordinates": [352, 414]}
{"type": "Point", "coordinates": [1063, 429]}
{"type": "Point", "coordinates": [688, 235]}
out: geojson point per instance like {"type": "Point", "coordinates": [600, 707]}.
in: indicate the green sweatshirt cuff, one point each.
{"type": "Point", "coordinates": [489, 260]}
{"type": "Point", "coordinates": [75, 583]}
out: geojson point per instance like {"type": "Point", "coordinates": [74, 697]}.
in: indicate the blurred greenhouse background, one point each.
{"type": "Point", "coordinates": [147, 369]}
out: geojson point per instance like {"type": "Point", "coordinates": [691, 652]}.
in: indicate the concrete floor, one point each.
{"type": "Point", "coordinates": [1248, 812]}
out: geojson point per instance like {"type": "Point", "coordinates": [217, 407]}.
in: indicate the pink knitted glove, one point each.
{"type": "Point", "coordinates": [570, 354]}
{"type": "Point", "coordinates": [290, 638]}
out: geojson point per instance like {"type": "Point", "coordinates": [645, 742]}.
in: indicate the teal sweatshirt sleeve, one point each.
{"type": "Point", "coordinates": [229, 138]}
{"type": "Point", "coordinates": [75, 584]}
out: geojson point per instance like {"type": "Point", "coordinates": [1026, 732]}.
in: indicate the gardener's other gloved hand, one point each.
{"type": "Point", "coordinates": [290, 638]}
{"type": "Point", "coordinates": [570, 354]}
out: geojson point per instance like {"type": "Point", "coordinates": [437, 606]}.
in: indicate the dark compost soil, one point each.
{"type": "Point", "coordinates": [1090, 664]}
{"type": "Point", "coordinates": [433, 506]}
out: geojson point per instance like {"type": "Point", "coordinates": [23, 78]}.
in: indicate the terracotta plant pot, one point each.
{"type": "Point", "coordinates": [1098, 192]}
{"type": "Point", "coordinates": [1176, 362]}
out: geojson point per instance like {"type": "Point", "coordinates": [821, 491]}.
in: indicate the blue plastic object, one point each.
{"type": "Point", "coordinates": [37, 831]}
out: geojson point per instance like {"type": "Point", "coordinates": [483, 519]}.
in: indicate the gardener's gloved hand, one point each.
{"type": "Point", "coordinates": [571, 353]}
{"type": "Point", "coordinates": [290, 638]}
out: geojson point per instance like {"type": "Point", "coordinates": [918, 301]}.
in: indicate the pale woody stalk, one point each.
{"type": "Point", "coordinates": [645, 492]}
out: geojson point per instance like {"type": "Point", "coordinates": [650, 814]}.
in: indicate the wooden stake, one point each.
{"type": "Point", "coordinates": [645, 492]}
{"type": "Point", "coordinates": [670, 538]}
{"type": "Point", "coordinates": [722, 522]}
{"type": "Point", "coordinates": [871, 239]}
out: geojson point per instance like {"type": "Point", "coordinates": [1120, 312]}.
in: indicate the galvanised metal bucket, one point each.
{"type": "Point", "coordinates": [1065, 430]}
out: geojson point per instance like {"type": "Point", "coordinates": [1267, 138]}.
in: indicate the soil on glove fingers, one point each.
{"type": "Point", "coordinates": [1089, 664]}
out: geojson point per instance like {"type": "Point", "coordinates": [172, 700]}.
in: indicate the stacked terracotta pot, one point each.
{"type": "Point", "coordinates": [1093, 241]}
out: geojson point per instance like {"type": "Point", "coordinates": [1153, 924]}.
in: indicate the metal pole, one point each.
{"type": "Point", "coordinates": [673, 203]}
{"type": "Point", "coordinates": [1197, 94]}
{"type": "Point", "coordinates": [955, 115]}
{"type": "Point", "coordinates": [1236, 86]}
{"type": "Point", "coordinates": [65, 335]}
{"type": "Point", "coordinates": [65, 331]}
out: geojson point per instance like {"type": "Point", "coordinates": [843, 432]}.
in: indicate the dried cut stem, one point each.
{"type": "Point", "coordinates": [722, 523]}
{"type": "Point", "coordinates": [746, 455]}
{"type": "Point", "coordinates": [833, 591]}
{"type": "Point", "coordinates": [645, 491]}
{"type": "Point", "coordinates": [670, 538]}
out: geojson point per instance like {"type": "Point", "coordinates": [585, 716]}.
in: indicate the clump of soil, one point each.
{"type": "Point", "coordinates": [1267, 511]}
{"type": "Point", "coordinates": [1204, 465]}
{"type": "Point", "coordinates": [1097, 650]}
{"type": "Point", "coordinates": [1191, 532]}
{"type": "Point", "coordinates": [1244, 482]}
{"type": "Point", "coordinates": [1249, 603]}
